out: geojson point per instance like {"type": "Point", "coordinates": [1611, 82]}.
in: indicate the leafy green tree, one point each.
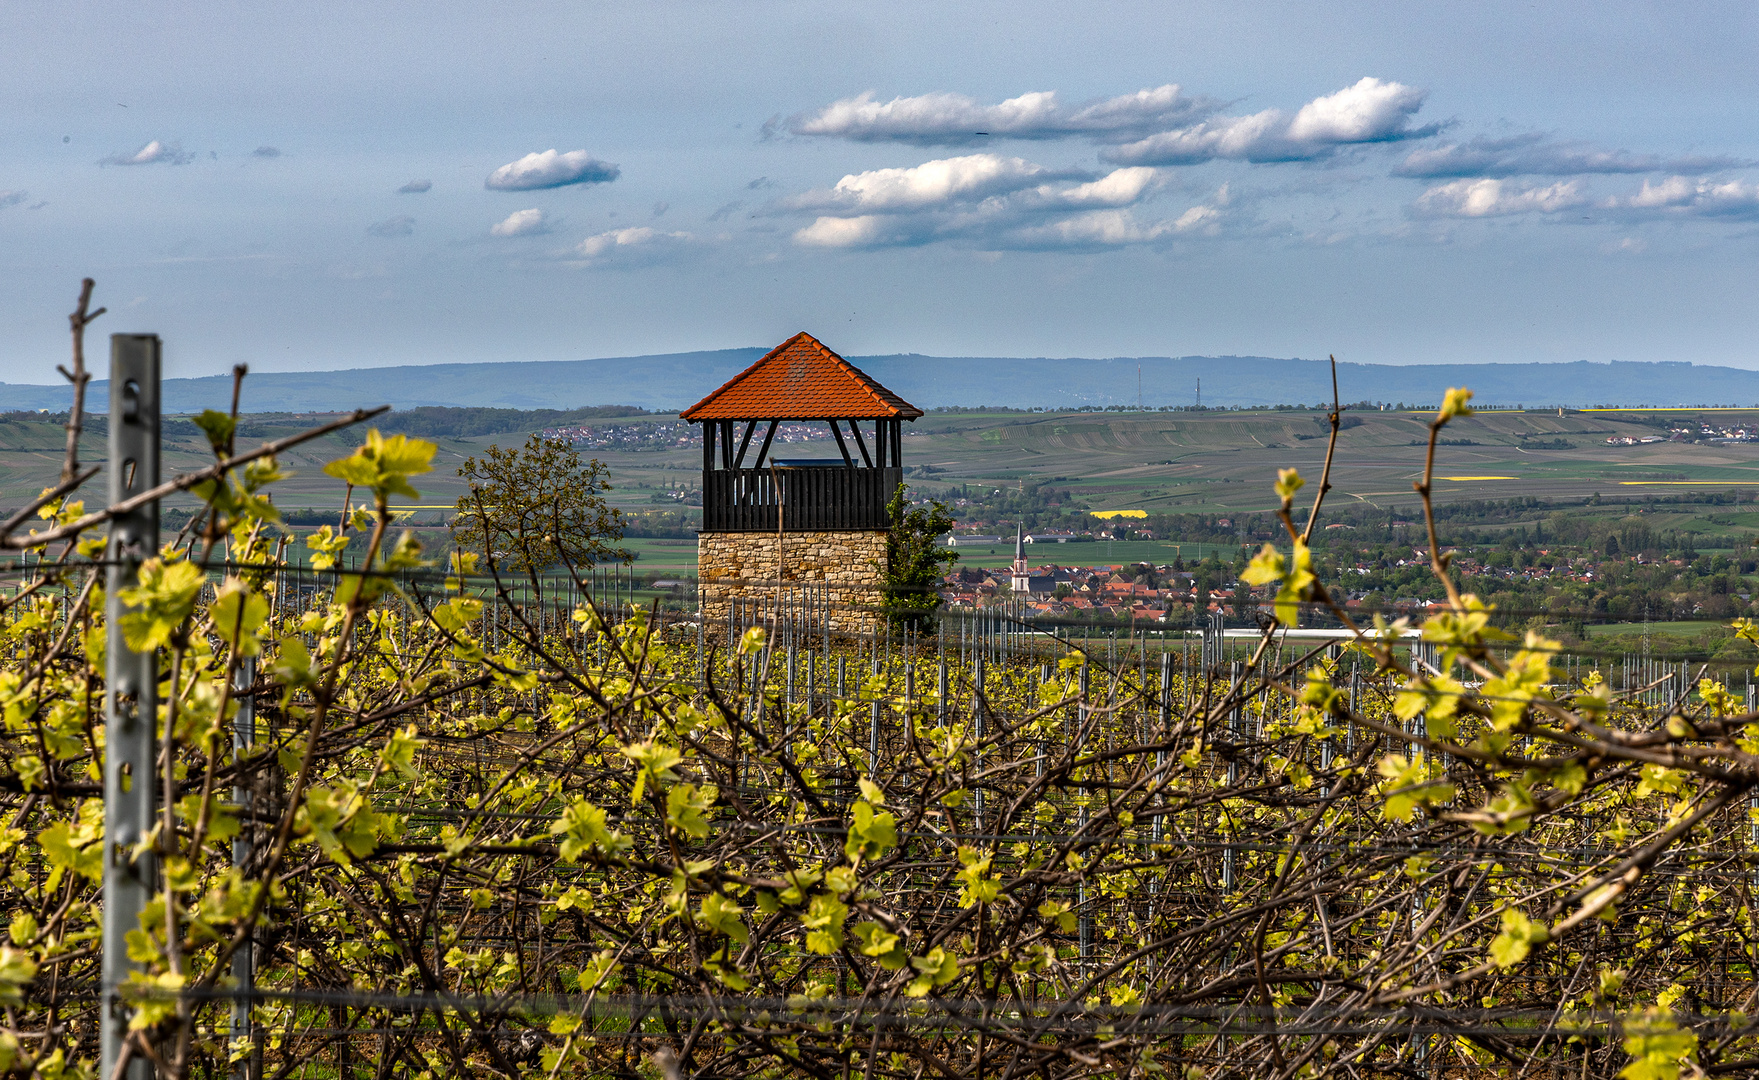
{"type": "Point", "coordinates": [537, 507]}
{"type": "Point", "coordinates": [915, 563]}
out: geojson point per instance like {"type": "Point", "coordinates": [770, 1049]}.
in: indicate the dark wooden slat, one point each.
{"type": "Point", "coordinates": [817, 499]}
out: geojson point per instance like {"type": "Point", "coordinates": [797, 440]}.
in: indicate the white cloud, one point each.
{"type": "Point", "coordinates": [521, 223]}
{"type": "Point", "coordinates": [550, 170]}
{"type": "Point", "coordinates": [981, 200]}
{"type": "Point", "coordinates": [638, 244]}
{"type": "Point", "coordinates": [1683, 196]}
{"type": "Point", "coordinates": [1117, 188]}
{"type": "Point", "coordinates": [1143, 110]}
{"type": "Point", "coordinates": [1104, 229]}
{"type": "Point", "coordinates": [925, 118]}
{"type": "Point", "coordinates": [416, 187]}
{"type": "Point", "coordinates": [12, 198]}
{"type": "Point", "coordinates": [1205, 218]}
{"type": "Point", "coordinates": [1533, 154]}
{"type": "Point", "coordinates": [839, 232]}
{"type": "Point", "coordinates": [1498, 198]}
{"type": "Point", "coordinates": [1371, 111]}
{"type": "Point", "coordinates": [1159, 126]}
{"type": "Point", "coordinates": [1091, 229]}
{"type": "Point", "coordinates": [1248, 138]}
{"type": "Point", "coordinates": [391, 228]}
{"type": "Point", "coordinates": [606, 241]}
{"type": "Point", "coordinates": [153, 153]}
{"type": "Point", "coordinates": [954, 119]}
{"type": "Point", "coordinates": [1673, 192]}
{"type": "Point", "coordinates": [1199, 217]}
{"type": "Point", "coordinates": [930, 184]}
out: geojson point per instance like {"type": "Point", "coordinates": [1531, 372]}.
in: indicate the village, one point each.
{"type": "Point", "coordinates": [1181, 594]}
{"type": "Point", "coordinates": [664, 435]}
{"type": "Point", "coordinates": [1171, 594]}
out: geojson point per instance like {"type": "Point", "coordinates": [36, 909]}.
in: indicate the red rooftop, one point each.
{"type": "Point", "coordinates": [801, 379]}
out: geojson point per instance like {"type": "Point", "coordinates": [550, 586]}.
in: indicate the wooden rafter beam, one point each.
{"type": "Point", "coordinates": [861, 444]}
{"type": "Point", "coordinates": [769, 437]}
{"type": "Point", "coordinates": [841, 445]}
{"type": "Point", "coordinates": [744, 444]}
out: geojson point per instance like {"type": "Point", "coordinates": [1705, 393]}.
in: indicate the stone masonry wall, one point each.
{"type": "Point", "coordinates": [748, 565]}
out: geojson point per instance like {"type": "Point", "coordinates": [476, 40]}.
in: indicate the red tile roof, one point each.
{"type": "Point", "coordinates": [800, 379]}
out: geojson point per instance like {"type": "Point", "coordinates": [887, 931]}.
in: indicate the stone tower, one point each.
{"type": "Point", "coordinates": [795, 536]}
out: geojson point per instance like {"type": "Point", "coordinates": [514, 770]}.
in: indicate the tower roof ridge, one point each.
{"type": "Point", "coordinates": [801, 379]}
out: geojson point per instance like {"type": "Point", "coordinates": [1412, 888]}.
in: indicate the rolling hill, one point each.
{"type": "Point", "coordinates": [672, 381]}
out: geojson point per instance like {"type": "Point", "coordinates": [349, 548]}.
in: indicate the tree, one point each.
{"type": "Point", "coordinates": [536, 507]}
{"type": "Point", "coordinates": [915, 563]}
{"type": "Point", "coordinates": [1245, 602]}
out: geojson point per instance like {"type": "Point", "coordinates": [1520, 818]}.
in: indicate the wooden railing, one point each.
{"type": "Point", "coordinates": [814, 499]}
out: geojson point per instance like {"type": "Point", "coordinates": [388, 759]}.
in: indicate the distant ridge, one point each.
{"type": "Point", "coordinates": [673, 380]}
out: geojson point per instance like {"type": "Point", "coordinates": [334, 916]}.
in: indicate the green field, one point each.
{"type": "Point", "coordinates": [1172, 462]}
{"type": "Point", "coordinates": [1632, 629]}
{"type": "Point", "coordinates": [663, 555]}
{"type": "Point", "coordinates": [31, 454]}
{"type": "Point", "coordinates": [1224, 461]}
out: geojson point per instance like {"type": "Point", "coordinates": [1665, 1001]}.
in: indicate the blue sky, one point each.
{"type": "Point", "coordinates": [316, 186]}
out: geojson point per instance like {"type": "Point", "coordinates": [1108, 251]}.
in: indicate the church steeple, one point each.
{"type": "Point", "coordinates": [1022, 581]}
